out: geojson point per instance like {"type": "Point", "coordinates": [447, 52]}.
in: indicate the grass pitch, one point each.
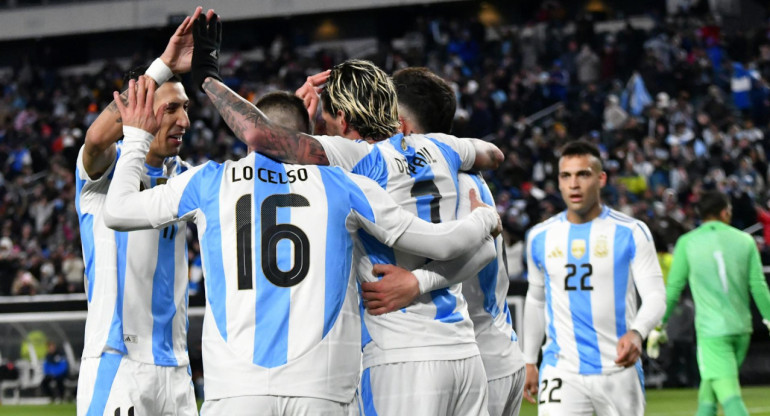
{"type": "Point", "coordinates": [667, 402]}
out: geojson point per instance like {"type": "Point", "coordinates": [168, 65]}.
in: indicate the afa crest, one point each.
{"type": "Point", "coordinates": [601, 248]}
{"type": "Point", "coordinates": [578, 248]}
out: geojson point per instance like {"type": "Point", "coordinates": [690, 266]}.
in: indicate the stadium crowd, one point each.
{"type": "Point", "coordinates": [675, 109]}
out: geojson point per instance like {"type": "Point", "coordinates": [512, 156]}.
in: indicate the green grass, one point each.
{"type": "Point", "coordinates": [684, 402]}
{"type": "Point", "coordinates": [669, 402]}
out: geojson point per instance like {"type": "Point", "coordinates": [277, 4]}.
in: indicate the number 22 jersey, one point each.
{"type": "Point", "coordinates": [591, 272]}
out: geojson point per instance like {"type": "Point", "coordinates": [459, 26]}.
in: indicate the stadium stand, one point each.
{"type": "Point", "coordinates": [678, 103]}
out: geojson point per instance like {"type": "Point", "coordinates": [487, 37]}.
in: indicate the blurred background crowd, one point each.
{"type": "Point", "coordinates": [676, 101]}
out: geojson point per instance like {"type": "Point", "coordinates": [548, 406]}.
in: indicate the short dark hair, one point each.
{"type": "Point", "coordinates": [285, 109]}
{"type": "Point", "coordinates": [427, 97]}
{"type": "Point", "coordinates": [580, 148]}
{"type": "Point", "coordinates": [137, 71]}
{"type": "Point", "coordinates": [712, 203]}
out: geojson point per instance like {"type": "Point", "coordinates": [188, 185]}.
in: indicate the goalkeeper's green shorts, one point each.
{"type": "Point", "coordinates": [721, 357]}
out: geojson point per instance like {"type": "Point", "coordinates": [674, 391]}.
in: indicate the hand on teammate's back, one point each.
{"type": "Point", "coordinates": [476, 203]}
{"type": "Point", "coordinates": [207, 39]}
{"type": "Point", "coordinates": [179, 51]}
{"type": "Point", "coordinates": [397, 289]}
{"type": "Point", "coordinates": [629, 349]}
{"type": "Point", "coordinates": [138, 110]}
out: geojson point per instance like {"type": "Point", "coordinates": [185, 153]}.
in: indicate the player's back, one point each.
{"type": "Point", "coordinates": [420, 173]}
{"type": "Point", "coordinates": [136, 282]}
{"type": "Point", "coordinates": [282, 308]}
{"type": "Point", "coordinates": [486, 295]}
{"type": "Point", "coordinates": [589, 291]}
{"type": "Point", "coordinates": [719, 258]}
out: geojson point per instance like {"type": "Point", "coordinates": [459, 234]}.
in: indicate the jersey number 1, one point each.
{"type": "Point", "coordinates": [272, 234]}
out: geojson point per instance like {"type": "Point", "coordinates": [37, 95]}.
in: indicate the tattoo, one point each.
{"type": "Point", "coordinates": [252, 127]}
{"type": "Point", "coordinates": [113, 108]}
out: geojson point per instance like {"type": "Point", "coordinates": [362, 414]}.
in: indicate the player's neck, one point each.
{"type": "Point", "coordinates": [577, 218]}
{"type": "Point", "coordinates": [153, 160]}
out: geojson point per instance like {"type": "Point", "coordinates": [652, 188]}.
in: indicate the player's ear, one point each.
{"type": "Point", "coordinates": [602, 178]}
{"type": "Point", "coordinates": [343, 123]}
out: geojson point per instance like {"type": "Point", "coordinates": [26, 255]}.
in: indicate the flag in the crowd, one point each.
{"type": "Point", "coordinates": [635, 96]}
{"type": "Point", "coordinates": [740, 84]}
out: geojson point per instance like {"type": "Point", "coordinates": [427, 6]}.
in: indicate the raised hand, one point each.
{"type": "Point", "coordinates": [207, 39]}
{"type": "Point", "coordinates": [138, 110]}
{"type": "Point", "coordinates": [179, 51]}
{"type": "Point", "coordinates": [310, 90]}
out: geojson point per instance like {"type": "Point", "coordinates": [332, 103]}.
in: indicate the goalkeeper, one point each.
{"type": "Point", "coordinates": [722, 265]}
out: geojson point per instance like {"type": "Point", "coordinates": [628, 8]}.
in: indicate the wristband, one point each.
{"type": "Point", "coordinates": [159, 71]}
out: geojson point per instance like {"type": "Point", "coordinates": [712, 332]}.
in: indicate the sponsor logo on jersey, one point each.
{"type": "Point", "coordinates": [578, 248]}
{"type": "Point", "coordinates": [555, 253]}
{"type": "Point", "coordinates": [131, 339]}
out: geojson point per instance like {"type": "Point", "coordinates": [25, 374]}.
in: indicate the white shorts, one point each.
{"type": "Point", "coordinates": [115, 385]}
{"type": "Point", "coordinates": [505, 394]}
{"type": "Point", "coordinates": [274, 406]}
{"type": "Point", "coordinates": [562, 393]}
{"type": "Point", "coordinates": [425, 388]}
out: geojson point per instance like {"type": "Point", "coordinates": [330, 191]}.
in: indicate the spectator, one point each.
{"type": "Point", "coordinates": [55, 371]}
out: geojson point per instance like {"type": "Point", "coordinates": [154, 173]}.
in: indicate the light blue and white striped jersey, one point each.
{"type": "Point", "coordinates": [136, 282]}
{"type": "Point", "coordinates": [420, 173]}
{"type": "Point", "coordinates": [591, 273]}
{"type": "Point", "coordinates": [277, 251]}
{"type": "Point", "coordinates": [486, 294]}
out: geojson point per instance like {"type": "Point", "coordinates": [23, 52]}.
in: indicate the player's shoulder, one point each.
{"type": "Point", "coordinates": [625, 220]}
{"type": "Point", "coordinates": [544, 226]}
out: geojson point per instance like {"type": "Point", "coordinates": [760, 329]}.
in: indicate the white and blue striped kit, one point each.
{"type": "Point", "coordinates": [136, 282]}
{"type": "Point", "coordinates": [588, 271]}
{"type": "Point", "coordinates": [420, 173]}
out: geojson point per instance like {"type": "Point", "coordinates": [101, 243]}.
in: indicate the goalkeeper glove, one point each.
{"type": "Point", "coordinates": [767, 323]}
{"type": "Point", "coordinates": [207, 40]}
{"type": "Point", "coordinates": [656, 337]}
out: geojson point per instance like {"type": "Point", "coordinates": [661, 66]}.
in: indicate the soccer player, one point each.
{"type": "Point", "coordinates": [426, 103]}
{"type": "Point", "coordinates": [722, 266]}
{"type": "Point", "coordinates": [285, 109]}
{"type": "Point", "coordinates": [431, 343]}
{"type": "Point", "coordinates": [135, 350]}
{"type": "Point", "coordinates": [585, 266]}
{"type": "Point", "coordinates": [282, 330]}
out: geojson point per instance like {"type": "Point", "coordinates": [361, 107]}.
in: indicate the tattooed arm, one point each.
{"type": "Point", "coordinates": [99, 147]}
{"type": "Point", "coordinates": [253, 128]}
{"type": "Point", "coordinates": [488, 156]}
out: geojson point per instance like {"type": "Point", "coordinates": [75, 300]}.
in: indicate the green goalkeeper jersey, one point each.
{"type": "Point", "coordinates": [721, 264]}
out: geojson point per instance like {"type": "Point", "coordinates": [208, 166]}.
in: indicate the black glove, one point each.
{"type": "Point", "coordinates": [206, 43]}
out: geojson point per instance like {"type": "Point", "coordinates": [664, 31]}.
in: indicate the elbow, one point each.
{"type": "Point", "coordinates": [111, 220]}
{"type": "Point", "coordinates": [251, 138]}
{"type": "Point", "coordinates": [497, 157]}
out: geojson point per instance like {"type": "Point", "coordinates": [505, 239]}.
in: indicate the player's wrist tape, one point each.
{"type": "Point", "coordinates": [159, 71]}
{"type": "Point", "coordinates": [136, 135]}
